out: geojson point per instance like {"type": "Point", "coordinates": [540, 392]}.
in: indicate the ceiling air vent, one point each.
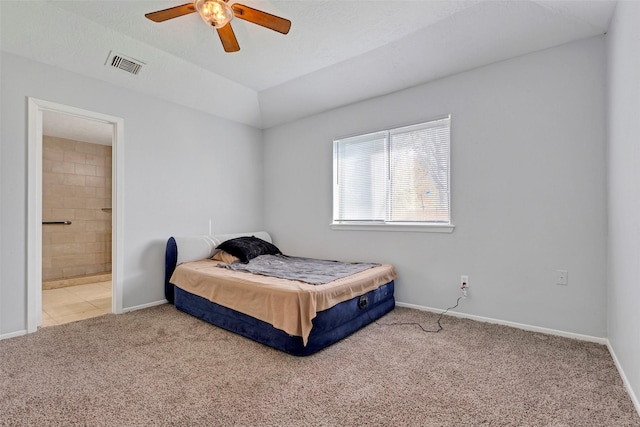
{"type": "Point", "coordinates": [124, 63]}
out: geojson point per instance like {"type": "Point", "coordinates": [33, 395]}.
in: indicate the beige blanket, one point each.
{"type": "Point", "coordinates": [286, 304]}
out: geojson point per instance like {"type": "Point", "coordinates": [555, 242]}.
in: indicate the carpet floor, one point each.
{"type": "Point", "coordinates": [159, 366]}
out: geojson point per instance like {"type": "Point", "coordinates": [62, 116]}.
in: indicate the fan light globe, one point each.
{"type": "Point", "coordinates": [216, 13]}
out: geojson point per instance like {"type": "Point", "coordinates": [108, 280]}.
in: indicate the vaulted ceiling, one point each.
{"type": "Point", "coordinates": [337, 52]}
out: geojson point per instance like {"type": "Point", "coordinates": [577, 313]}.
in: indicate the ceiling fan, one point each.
{"type": "Point", "coordinates": [218, 14]}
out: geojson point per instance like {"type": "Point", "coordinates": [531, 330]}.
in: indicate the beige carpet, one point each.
{"type": "Point", "coordinates": [162, 367]}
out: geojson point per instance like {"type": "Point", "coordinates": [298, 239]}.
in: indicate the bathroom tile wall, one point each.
{"type": "Point", "coordinates": [76, 187]}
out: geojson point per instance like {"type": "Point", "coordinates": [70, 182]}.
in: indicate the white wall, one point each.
{"type": "Point", "coordinates": [624, 191]}
{"type": "Point", "coordinates": [182, 167]}
{"type": "Point", "coordinates": [528, 190]}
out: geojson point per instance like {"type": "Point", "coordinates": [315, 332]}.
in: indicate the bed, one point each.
{"type": "Point", "coordinates": [295, 316]}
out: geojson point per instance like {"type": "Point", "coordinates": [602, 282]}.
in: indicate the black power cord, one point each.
{"type": "Point", "coordinates": [418, 324]}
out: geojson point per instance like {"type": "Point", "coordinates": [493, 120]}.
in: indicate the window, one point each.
{"type": "Point", "coordinates": [395, 179]}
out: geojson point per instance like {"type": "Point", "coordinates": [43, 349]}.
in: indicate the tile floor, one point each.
{"type": "Point", "coordinates": [64, 305]}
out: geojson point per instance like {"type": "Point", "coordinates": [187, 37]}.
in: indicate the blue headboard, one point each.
{"type": "Point", "coordinates": [170, 262]}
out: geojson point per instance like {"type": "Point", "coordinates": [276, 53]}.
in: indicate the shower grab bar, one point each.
{"type": "Point", "coordinates": [56, 222]}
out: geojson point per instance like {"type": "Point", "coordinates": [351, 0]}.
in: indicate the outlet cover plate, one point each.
{"type": "Point", "coordinates": [562, 277]}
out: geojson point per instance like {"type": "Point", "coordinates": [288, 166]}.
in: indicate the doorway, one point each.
{"type": "Point", "coordinates": [38, 110]}
{"type": "Point", "coordinates": [76, 218]}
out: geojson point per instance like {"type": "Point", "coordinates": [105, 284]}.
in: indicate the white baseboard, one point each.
{"type": "Point", "coordinates": [598, 340]}
{"type": "Point", "coordinates": [526, 327]}
{"type": "Point", "coordinates": [142, 306]}
{"type": "Point", "coordinates": [124, 310]}
{"type": "Point", "coordinates": [625, 380]}
{"type": "Point", "coordinates": [13, 334]}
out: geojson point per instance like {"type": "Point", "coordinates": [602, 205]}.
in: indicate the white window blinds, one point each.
{"type": "Point", "coordinates": [395, 176]}
{"type": "Point", "coordinates": [362, 177]}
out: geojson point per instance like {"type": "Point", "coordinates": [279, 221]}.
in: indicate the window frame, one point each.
{"type": "Point", "coordinates": [416, 226]}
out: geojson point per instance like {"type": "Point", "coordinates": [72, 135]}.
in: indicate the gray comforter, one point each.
{"type": "Point", "coordinates": [308, 270]}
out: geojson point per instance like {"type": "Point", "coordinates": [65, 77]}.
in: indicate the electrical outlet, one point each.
{"type": "Point", "coordinates": [562, 277]}
{"type": "Point", "coordinates": [464, 285]}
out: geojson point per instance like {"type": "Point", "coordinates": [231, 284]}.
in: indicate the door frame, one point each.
{"type": "Point", "coordinates": [36, 107]}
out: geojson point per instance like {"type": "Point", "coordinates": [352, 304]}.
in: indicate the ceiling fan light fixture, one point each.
{"type": "Point", "coordinates": [216, 13]}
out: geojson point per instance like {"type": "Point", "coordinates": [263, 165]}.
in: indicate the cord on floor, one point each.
{"type": "Point", "coordinates": [418, 324]}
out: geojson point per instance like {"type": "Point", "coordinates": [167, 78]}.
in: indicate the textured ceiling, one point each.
{"type": "Point", "coordinates": [76, 128]}
{"type": "Point", "coordinates": [323, 33]}
{"type": "Point", "coordinates": [337, 52]}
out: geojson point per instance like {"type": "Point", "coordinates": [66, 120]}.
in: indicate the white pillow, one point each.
{"type": "Point", "coordinates": [193, 248]}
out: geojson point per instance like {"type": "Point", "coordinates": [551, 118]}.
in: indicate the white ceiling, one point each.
{"type": "Point", "coordinates": [323, 33]}
{"type": "Point", "coordinates": [76, 128]}
{"type": "Point", "coordinates": [337, 52]}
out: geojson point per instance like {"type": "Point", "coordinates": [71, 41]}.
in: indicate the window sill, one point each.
{"type": "Point", "coordinates": [408, 226]}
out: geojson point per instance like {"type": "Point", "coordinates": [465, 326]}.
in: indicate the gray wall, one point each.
{"type": "Point", "coordinates": [624, 191]}
{"type": "Point", "coordinates": [182, 167]}
{"type": "Point", "coordinates": [528, 190]}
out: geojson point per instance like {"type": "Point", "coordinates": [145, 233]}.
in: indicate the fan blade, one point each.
{"type": "Point", "coordinates": [172, 12]}
{"type": "Point", "coordinates": [228, 39]}
{"type": "Point", "coordinates": [264, 19]}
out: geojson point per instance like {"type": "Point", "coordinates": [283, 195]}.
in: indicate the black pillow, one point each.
{"type": "Point", "coordinates": [247, 248]}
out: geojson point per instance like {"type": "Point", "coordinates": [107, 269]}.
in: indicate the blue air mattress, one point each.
{"type": "Point", "coordinates": [329, 326]}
